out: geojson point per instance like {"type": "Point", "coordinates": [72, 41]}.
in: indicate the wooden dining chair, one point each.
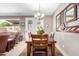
{"type": "Point", "coordinates": [53, 44]}
{"type": "Point", "coordinates": [39, 45]}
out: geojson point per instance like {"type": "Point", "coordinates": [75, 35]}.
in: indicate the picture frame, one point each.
{"type": "Point", "coordinates": [60, 21]}
{"type": "Point", "coordinates": [71, 13]}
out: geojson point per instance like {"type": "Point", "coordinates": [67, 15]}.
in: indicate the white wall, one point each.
{"type": "Point", "coordinates": [48, 21]}
{"type": "Point", "coordinates": [68, 43]}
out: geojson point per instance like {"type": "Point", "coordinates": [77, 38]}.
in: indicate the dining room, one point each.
{"type": "Point", "coordinates": [39, 29]}
{"type": "Point", "coordinates": [19, 25]}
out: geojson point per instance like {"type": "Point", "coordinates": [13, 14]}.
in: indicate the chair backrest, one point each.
{"type": "Point", "coordinates": [53, 44]}
{"type": "Point", "coordinates": [29, 34]}
{"type": "Point", "coordinates": [52, 36]}
{"type": "Point", "coordinates": [3, 43]}
{"type": "Point", "coordinates": [38, 40]}
{"type": "Point", "coordinates": [40, 43]}
{"type": "Point", "coordinates": [39, 36]}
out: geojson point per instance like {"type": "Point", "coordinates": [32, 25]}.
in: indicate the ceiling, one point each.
{"type": "Point", "coordinates": [26, 9]}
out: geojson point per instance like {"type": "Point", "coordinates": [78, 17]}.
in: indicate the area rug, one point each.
{"type": "Point", "coordinates": [58, 53]}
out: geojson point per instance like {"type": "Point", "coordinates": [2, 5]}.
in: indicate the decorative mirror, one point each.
{"type": "Point", "coordinates": [67, 20]}
{"type": "Point", "coordinates": [62, 20]}
{"type": "Point", "coordinates": [62, 17]}
{"type": "Point", "coordinates": [71, 13]}
{"type": "Point", "coordinates": [58, 22]}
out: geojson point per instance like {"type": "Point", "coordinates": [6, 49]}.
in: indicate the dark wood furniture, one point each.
{"type": "Point", "coordinates": [51, 44]}
{"type": "Point", "coordinates": [39, 45]}
{"type": "Point", "coordinates": [29, 47]}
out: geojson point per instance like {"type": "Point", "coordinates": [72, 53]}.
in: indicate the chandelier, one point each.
{"type": "Point", "coordinates": [39, 15]}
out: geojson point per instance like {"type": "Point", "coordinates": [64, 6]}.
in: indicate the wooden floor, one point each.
{"type": "Point", "coordinates": [20, 49]}
{"type": "Point", "coordinates": [49, 53]}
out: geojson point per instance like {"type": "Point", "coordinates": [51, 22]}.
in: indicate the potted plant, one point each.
{"type": "Point", "coordinates": [40, 30]}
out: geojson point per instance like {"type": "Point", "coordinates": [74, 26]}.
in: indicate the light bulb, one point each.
{"type": "Point", "coordinates": [42, 15]}
{"type": "Point", "coordinates": [35, 15]}
{"type": "Point", "coordinates": [38, 14]}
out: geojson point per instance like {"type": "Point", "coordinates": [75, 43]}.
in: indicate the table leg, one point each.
{"type": "Point", "coordinates": [53, 49]}
{"type": "Point", "coordinates": [28, 49]}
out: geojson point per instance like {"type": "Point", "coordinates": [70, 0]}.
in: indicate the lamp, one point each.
{"type": "Point", "coordinates": [38, 15]}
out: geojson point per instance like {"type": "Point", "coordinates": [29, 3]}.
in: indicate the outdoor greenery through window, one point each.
{"type": "Point", "coordinates": [6, 25]}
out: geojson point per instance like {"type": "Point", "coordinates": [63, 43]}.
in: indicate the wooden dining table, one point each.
{"type": "Point", "coordinates": [51, 44]}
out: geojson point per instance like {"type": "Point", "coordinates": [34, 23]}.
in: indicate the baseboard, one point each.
{"type": "Point", "coordinates": [61, 51]}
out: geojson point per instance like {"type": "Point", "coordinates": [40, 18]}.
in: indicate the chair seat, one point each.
{"type": "Point", "coordinates": [40, 51]}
